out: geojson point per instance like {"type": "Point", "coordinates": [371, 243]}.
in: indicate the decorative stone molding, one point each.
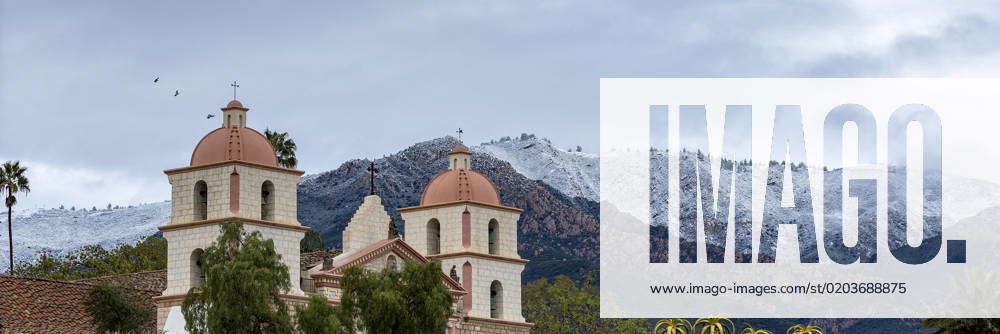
{"type": "Point", "coordinates": [170, 227]}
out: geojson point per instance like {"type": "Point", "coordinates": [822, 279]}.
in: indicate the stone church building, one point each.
{"type": "Point", "coordinates": [234, 175]}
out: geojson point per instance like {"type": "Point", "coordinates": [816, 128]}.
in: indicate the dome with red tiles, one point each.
{"type": "Point", "coordinates": [234, 104]}
{"type": "Point", "coordinates": [460, 149]}
{"type": "Point", "coordinates": [234, 141]}
{"type": "Point", "coordinates": [458, 183]}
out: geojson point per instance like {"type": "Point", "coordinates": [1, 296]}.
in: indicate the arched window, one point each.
{"type": "Point", "coordinates": [200, 200]}
{"type": "Point", "coordinates": [390, 263]}
{"type": "Point", "coordinates": [433, 237]}
{"type": "Point", "coordinates": [267, 201]}
{"type": "Point", "coordinates": [197, 268]}
{"type": "Point", "coordinates": [494, 229]}
{"type": "Point", "coordinates": [496, 300]}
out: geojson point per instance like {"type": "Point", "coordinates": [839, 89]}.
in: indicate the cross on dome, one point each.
{"type": "Point", "coordinates": [235, 86]}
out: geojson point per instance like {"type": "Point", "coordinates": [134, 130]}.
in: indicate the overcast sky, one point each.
{"type": "Point", "coordinates": [357, 79]}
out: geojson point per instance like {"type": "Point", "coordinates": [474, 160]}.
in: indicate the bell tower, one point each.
{"type": "Point", "coordinates": [234, 115]}
{"type": "Point", "coordinates": [233, 175]}
{"type": "Point", "coordinates": [461, 222]}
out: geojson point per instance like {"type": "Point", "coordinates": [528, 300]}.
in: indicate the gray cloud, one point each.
{"type": "Point", "coordinates": [964, 40]}
{"type": "Point", "coordinates": [362, 79]}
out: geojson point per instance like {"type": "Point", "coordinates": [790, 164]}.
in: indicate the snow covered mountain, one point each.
{"type": "Point", "coordinates": [569, 174]}
{"type": "Point", "coordinates": [331, 195]}
{"type": "Point", "coordinates": [575, 174]}
{"type": "Point", "coordinates": [63, 230]}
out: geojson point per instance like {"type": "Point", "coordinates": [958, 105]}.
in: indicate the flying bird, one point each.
{"type": "Point", "coordinates": [156, 80]}
{"type": "Point", "coordinates": [177, 92]}
{"type": "Point", "coordinates": [210, 116]}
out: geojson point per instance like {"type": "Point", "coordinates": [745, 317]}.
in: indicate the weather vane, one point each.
{"type": "Point", "coordinates": [371, 178]}
{"type": "Point", "coordinates": [235, 86]}
{"type": "Point", "coordinates": [460, 132]}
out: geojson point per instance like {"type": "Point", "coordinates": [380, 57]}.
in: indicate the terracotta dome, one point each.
{"type": "Point", "coordinates": [460, 149]}
{"type": "Point", "coordinates": [459, 185]}
{"type": "Point", "coordinates": [234, 104]}
{"type": "Point", "coordinates": [235, 143]}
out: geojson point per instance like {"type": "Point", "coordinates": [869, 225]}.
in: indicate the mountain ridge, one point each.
{"type": "Point", "coordinates": [557, 233]}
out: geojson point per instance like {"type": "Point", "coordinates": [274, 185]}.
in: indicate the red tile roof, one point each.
{"type": "Point", "coordinates": [155, 280]}
{"type": "Point", "coordinates": [32, 305]}
{"type": "Point", "coordinates": [312, 259]}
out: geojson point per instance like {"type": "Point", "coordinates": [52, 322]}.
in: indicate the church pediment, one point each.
{"type": "Point", "coordinates": [375, 252]}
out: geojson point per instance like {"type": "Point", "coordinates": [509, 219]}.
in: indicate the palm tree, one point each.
{"type": "Point", "coordinates": [673, 326]}
{"type": "Point", "coordinates": [751, 330]}
{"type": "Point", "coordinates": [803, 329]}
{"type": "Point", "coordinates": [284, 148]}
{"type": "Point", "coordinates": [715, 326]}
{"type": "Point", "coordinates": [12, 181]}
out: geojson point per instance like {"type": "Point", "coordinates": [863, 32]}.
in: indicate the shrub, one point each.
{"type": "Point", "coordinates": [318, 317]}
{"type": "Point", "coordinates": [111, 309]}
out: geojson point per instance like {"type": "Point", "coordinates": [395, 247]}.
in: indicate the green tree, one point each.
{"type": "Point", "coordinates": [318, 317]}
{"type": "Point", "coordinates": [112, 309]}
{"type": "Point", "coordinates": [241, 294]}
{"type": "Point", "coordinates": [963, 326]}
{"type": "Point", "coordinates": [313, 241]}
{"type": "Point", "coordinates": [393, 229]}
{"type": "Point", "coordinates": [411, 300]}
{"type": "Point", "coordinates": [12, 181]}
{"type": "Point", "coordinates": [563, 306]}
{"type": "Point", "coordinates": [284, 148]}
{"type": "Point", "coordinates": [93, 261]}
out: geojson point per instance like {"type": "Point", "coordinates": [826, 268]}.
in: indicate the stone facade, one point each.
{"type": "Point", "coordinates": [370, 224]}
{"type": "Point", "coordinates": [163, 308]}
{"type": "Point", "coordinates": [449, 218]}
{"type": "Point", "coordinates": [218, 180]}
{"type": "Point", "coordinates": [332, 293]}
{"type": "Point", "coordinates": [503, 265]}
{"type": "Point", "coordinates": [183, 242]}
{"type": "Point", "coordinates": [484, 273]}
{"type": "Point", "coordinates": [485, 326]}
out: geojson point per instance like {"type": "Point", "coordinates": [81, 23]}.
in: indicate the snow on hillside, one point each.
{"type": "Point", "coordinates": [61, 230]}
{"type": "Point", "coordinates": [571, 173]}
{"type": "Point", "coordinates": [575, 174]}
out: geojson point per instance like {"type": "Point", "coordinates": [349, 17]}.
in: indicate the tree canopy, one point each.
{"type": "Point", "coordinates": [318, 317]}
{"type": "Point", "coordinates": [244, 278]}
{"type": "Point", "coordinates": [961, 326]}
{"type": "Point", "coordinates": [284, 147]}
{"type": "Point", "coordinates": [410, 300]}
{"type": "Point", "coordinates": [112, 309]}
{"type": "Point", "coordinates": [563, 306]}
{"type": "Point", "coordinates": [313, 241]}
{"type": "Point", "coordinates": [150, 253]}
